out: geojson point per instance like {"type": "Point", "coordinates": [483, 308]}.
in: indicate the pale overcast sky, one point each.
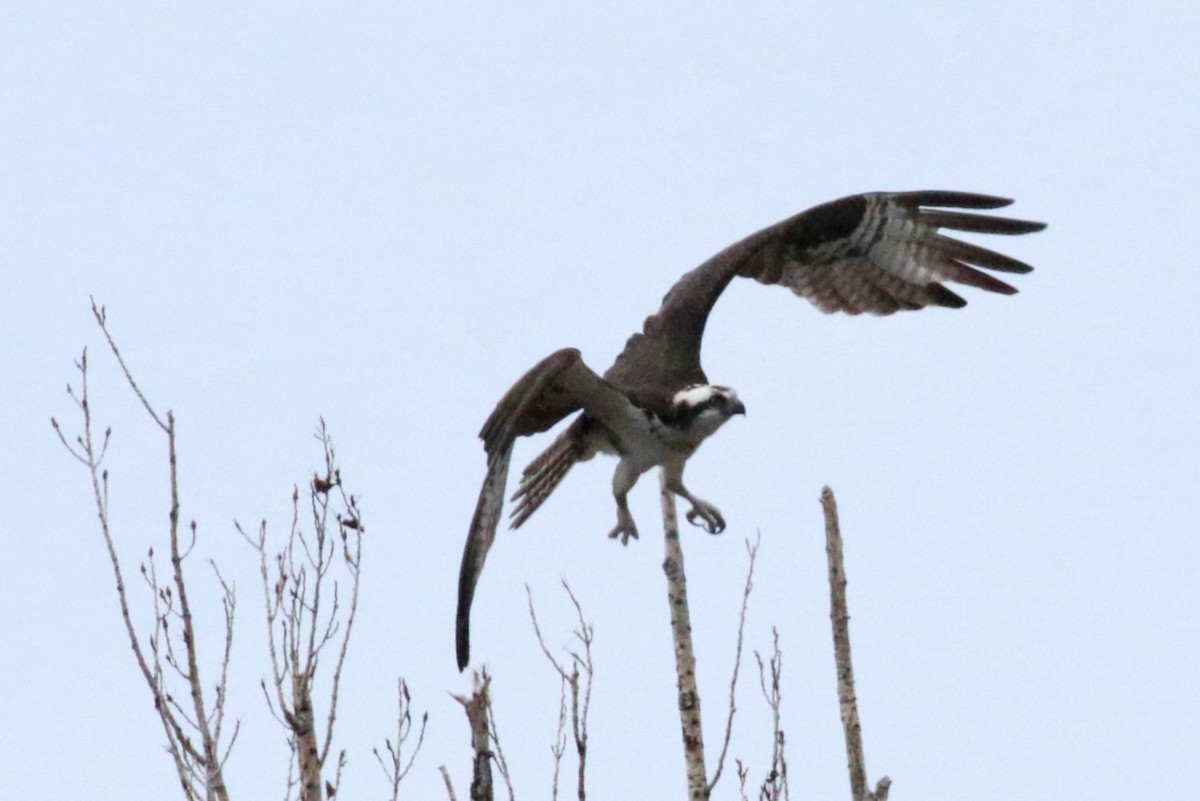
{"type": "Point", "coordinates": [384, 213]}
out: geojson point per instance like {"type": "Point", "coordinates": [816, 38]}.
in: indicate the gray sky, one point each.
{"type": "Point", "coordinates": [385, 214]}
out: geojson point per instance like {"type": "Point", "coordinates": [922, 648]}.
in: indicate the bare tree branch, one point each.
{"type": "Point", "coordinates": [840, 617]}
{"type": "Point", "coordinates": [305, 613]}
{"type": "Point", "coordinates": [685, 655]}
{"type": "Point", "coordinates": [449, 785]}
{"type": "Point", "coordinates": [102, 320]}
{"type": "Point", "coordinates": [478, 718]}
{"type": "Point", "coordinates": [498, 750]}
{"type": "Point", "coordinates": [752, 552]}
{"type": "Point", "coordinates": [579, 714]}
{"type": "Point", "coordinates": [580, 693]}
{"type": "Point", "coordinates": [775, 785]}
{"type": "Point", "coordinates": [351, 530]}
{"type": "Point", "coordinates": [742, 773]}
{"type": "Point", "coordinates": [560, 738]}
{"type": "Point", "coordinates": [199, 768]}
{"type": "Point", "coordinates": [228, 604]}
{"type": "Point", "coordinates": [396, 768]}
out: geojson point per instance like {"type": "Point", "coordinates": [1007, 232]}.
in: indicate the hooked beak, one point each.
{"type": "Point", "coordinates": [737, 408]}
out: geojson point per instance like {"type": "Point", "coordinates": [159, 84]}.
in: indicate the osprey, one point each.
{"type": "Point", "coordinates": [878, 253]}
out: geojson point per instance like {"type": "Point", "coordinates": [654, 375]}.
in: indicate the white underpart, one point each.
{"type": "Point", "coordinates": [704, 426]}
{"type": "Point", "coordinates": [646, 442]}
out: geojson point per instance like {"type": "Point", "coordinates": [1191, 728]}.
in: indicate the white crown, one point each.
{"type": "Point", "coordinates": [699, 393]}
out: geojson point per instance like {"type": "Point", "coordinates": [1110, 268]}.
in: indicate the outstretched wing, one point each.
{"type": "Point", "coordinates": [878, 253]}
{"type": "Point", "coordinates": [555, 387]}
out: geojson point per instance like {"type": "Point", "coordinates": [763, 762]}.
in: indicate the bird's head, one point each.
{"type": "Point", "coordinates": [704, 408]}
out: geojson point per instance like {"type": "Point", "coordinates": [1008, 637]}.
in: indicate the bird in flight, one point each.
{"type": "Point", "coordinates": [878, 253]}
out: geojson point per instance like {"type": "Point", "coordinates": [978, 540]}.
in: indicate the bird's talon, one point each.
{"type": "Point", "coordinates": [707, 517]}
{"type": "Point", "coordinates": [624, 533]}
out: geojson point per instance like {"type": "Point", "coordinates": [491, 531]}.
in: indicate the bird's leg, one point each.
{"type": "Point", "coordinates": [713, 522]}
{"type": "Point", "coordinates": [624, 477]}
{"type": "Point", "coordinates": [625, 528]}
{"type": "Point", "coordinates": [709, 516]}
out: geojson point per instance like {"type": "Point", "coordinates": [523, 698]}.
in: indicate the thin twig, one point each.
{"type": "Point", "coordinates": [565, 680]}
{"type": "Point", "coordinates": [775, 785]}
{"type": "Point", "coordinates": [752, 552]}
{"type": "Point", "coordinates": [398, 767]}
{"type": "Point", "coordinates": [352, 533]}
{"type": "Point", "coordinates": [229, 604]}
{"type": "Point", "coordinates": [449, 784]}
{"type": "Point", "coordinates": [560, 738]}
{"type": "Point", "coordinates": [102, 320]}
{"type": "Point", "coordinates": [579, 716]}
{"type": "Point", "coordinates": [742, 773]}
{"type": "Point", "coordinates": [498, 750]}
{"type": "Point", "coordinates": [580, 692]}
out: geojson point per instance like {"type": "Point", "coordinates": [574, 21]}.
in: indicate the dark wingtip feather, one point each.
{"type": "Point", "coordinates": [953, 270]}
{"type": "Point", "coordinates": [941, 296]}
{"type": "Point", "coordinates": [950, 199]}
{"type": "Point", "coordinates": [974, 254]}
{"type": "Point", "coordinates": [986, 282]}
{"type": "Point", "coordinates": [979, 223]}
{"type": "Point", "coordinates": [1021, 226]}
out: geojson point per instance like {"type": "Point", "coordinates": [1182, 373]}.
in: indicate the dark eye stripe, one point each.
{"type": "Point", "coordinates": [682, 416]}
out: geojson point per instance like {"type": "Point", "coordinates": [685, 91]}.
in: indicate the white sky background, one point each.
{"type": "Point", "coordinates": [385, 215]}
